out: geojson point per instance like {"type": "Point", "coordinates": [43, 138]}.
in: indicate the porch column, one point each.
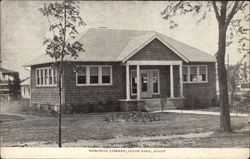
{"type": "Point", "coordinates": [181, 83]}
{"type": "Point", "coordinates": [171, 82]}
{"type": "Point", "coordinates": [127, 83]}
{"type": "Point", "coordinates": [138, 82]}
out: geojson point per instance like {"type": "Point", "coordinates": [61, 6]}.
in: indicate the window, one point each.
{"type": "Point", "coordinates": [155, 82]}
{"type": "Point", "coordinates": [38, 77]}
{"type": "Point", "coordinates": [50, 77]}
{"type": "Point", "coordinates": [184, 73]}
{"type": "Point", "coordinates": [202, 73]}
{"type": "Point", "coordinates": [94, 75]}
{"type": "Point", "coordinates": [54, 76]}
{"type": "Point", "coordinates": [134, 82]}
{"type": "Point", "coordinates": [105, 74]}
{"type": "Point", "coordinates": [194, 74]}
{"type": "Point", "coordinates": [45, 76]}
{"type": "Point", "coordinates": [81, 78]}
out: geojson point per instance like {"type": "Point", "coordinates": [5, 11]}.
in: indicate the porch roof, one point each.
{"type": "Point", "coordinates": [112, 45]}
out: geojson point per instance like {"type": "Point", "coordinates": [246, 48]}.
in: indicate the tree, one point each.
{"type": "Point", "coordinates": [227, 13]}
{"type": "Point", "coordinates": [63, 18]}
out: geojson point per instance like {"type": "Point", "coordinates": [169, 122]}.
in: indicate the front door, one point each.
{"type": "Point", "coordinates": [149, 83]}
{"type": "Point", "coordinates": [145, 84]}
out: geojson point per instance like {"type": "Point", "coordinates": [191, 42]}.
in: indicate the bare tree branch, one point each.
{"type": "Point", "coordinates": [232, 13]}
{"type": "Point", "coordinates": [216, 10]}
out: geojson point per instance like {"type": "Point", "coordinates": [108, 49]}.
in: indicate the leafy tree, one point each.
{"type": "Point", "coordinates": [228, 14]}
{"type": "Point", "coordinates": [64, 19]}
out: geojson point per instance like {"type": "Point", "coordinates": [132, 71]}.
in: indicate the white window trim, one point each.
{"type": "Point", "coordinates": [99, 76]}
{"type": "Point", "coordinates": [52, 74]}
{"type": "Point", "coordinates": [135, 94]}
{"type": "Point", "coordinates": [197, 74]}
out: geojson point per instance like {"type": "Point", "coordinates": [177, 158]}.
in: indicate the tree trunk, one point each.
{"type": "Point", "coordinates": [60, 109]}
{"type": "Point", "coordinates": [225, 124]}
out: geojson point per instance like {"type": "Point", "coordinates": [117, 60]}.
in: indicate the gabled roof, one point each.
{"type": "Point", "coordinates": [112, 45]}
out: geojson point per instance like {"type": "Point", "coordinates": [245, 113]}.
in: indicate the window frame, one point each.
{"type": "Point", "coordinates": [99, 76]}
{"type": "Point", "coordinates": [197, 74]}
{"type": "Point", "coordinates": [54, 84]}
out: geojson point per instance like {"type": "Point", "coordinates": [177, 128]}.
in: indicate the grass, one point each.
{"type": "Point", "coordinates": [94, 128]}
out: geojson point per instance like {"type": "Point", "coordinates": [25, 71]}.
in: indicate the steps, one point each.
{"type": "Point", "coordinates": [155, 105]}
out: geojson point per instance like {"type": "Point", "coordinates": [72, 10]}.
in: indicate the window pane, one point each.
{"type": "Point", "coordinates": [202, 77]}
{"type": "Point", "coordinates": [106, 75]}
{"type": "Point", "coordinates": [93, 71]}
{"type": "Point", "coordinates": [93, 75]}
{"type": "Point", "coordinates": [37, 77]}
{"type": "Point", "coordinates": [193, 77]}
{"type": "Point", "coordinates": [82, 71]}
{"type": "Point", "coordinates": [41, 73]}
{"type": "Point", "coordinates": [184, 70]}
{"type": "Point", "coordinates": [193, 70]}
{"type": "Point", "coordinates": [155, 81]}
{"type": "Point", "coordinates": [202, 70]}
{"type": "Point", "coordinates": [105, 79]}
{"type": "Point", "coordinates": [45, 76]}
{"type": "Point", "coordinates": [50, 76]}
{"type": "Point", "coordinates": [134, 85]}
{"type": "Point", "coordinates": [134, 82]}
{"type": "Point", "coordinates": [54, 76]}
{"type": "Point", "coordinates": [105, 70]}
{"type": "Point", "coordinates": [184, 77]}
{"type": "Point", "coordinates": [81, 79]}
{"type": "Point", "coordinates": [93, 79]}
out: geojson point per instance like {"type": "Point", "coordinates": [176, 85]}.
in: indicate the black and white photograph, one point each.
{"type": "Point", "coordinates": [125, 78]}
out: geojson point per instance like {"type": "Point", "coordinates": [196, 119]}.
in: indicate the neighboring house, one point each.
{"type": "Point", "coordinates": [9, 85]}
{"type": "Point", "coordinates": [111, 63]}
{"type": "Point", "coordinates": [25, 88]}
{"type": "Point", "coordinates": [245, 72]}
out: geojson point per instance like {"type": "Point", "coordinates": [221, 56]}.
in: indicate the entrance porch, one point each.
{"type": "Point", "coordinates": [154, 80]}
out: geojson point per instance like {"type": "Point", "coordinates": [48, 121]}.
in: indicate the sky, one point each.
{"type": "Point", "coordinates": [23, 28]}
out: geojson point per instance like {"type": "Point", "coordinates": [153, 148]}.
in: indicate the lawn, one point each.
{"type": "Point", "coordinates": [93, 130]}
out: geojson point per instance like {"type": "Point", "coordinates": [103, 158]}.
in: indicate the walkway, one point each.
{"type": "Point", "coordinates": [200, 112]}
